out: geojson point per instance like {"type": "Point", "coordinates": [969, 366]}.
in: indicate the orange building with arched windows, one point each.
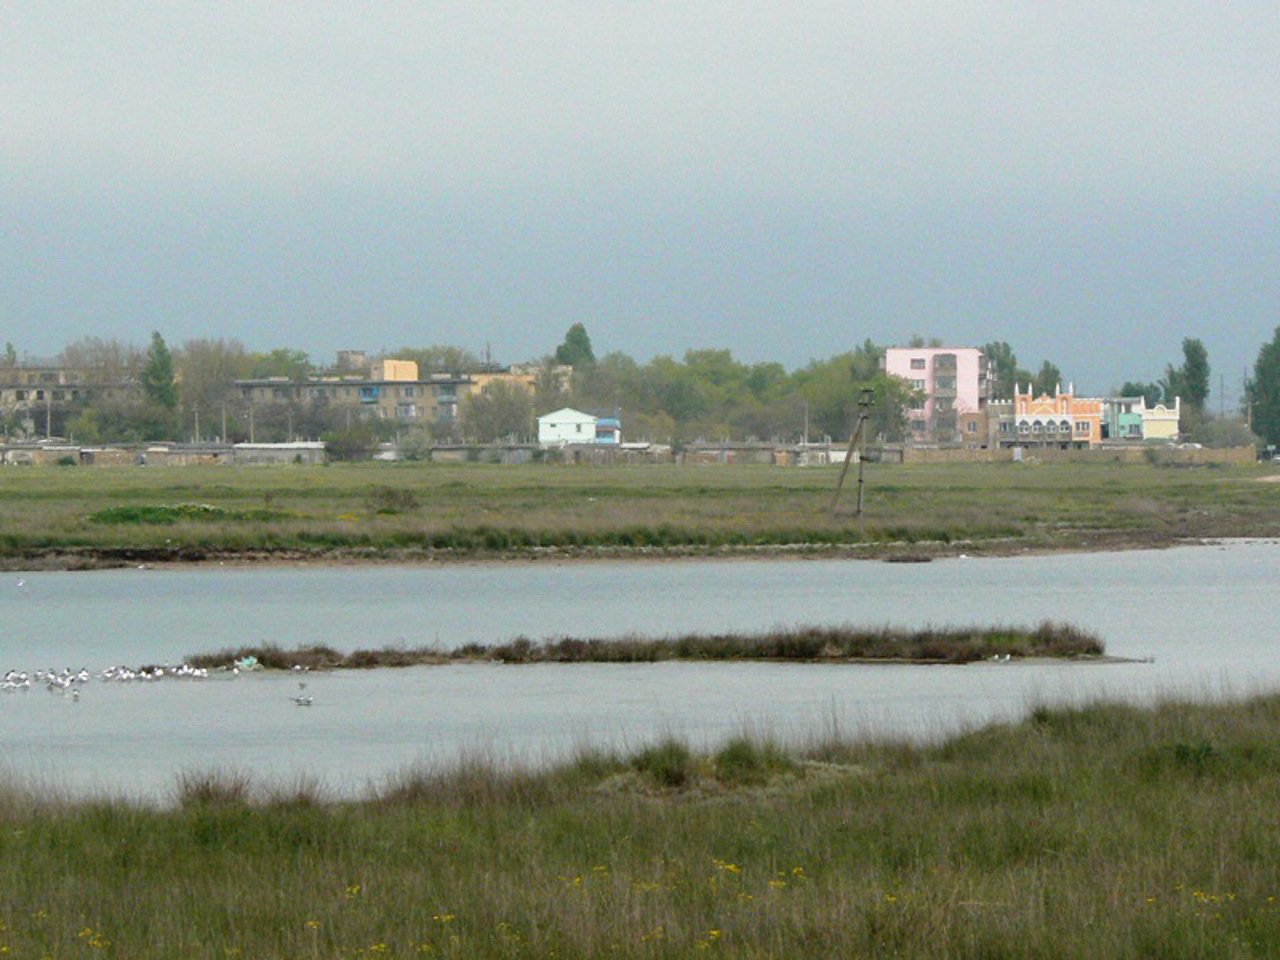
{"type": "Point", "coordinates": [1062, 420]}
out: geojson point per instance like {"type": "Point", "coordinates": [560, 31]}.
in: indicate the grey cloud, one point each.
{"type": "Point", "coordinates": [834, 99]}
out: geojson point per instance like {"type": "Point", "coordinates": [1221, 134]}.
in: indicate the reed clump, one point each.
{"type": "Point", "coordinates": [803, 643]}
{"type": "Point", "coordinates": [1090, 830]}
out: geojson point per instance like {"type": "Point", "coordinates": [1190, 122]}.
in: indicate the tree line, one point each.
{"type": "Point", "coordinates": [706, 394]}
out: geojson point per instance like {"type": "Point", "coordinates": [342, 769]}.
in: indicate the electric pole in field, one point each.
{"type": "Point", "coordinates": [865, 398]}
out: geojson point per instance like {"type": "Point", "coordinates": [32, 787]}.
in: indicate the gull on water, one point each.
{"type": "Point", "coordinates": [303, 699]}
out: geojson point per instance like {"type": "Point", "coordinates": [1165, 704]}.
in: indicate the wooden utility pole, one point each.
{"type": "Point", "coordinates": [865, 397]}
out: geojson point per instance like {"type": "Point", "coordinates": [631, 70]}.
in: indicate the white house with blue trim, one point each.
{"type": "Point", "coordinates": [567, 426]}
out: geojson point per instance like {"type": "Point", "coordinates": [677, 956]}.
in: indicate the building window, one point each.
{"type": "Point", "coordinates": [972, 426]}
{"type": "Point", "coordinates": [917, 364]}
{"type": "Point", "coordinates": [917, 384]}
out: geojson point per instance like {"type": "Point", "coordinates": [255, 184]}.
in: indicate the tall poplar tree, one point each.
{"type": "Point", "coordinates": [157, 374]}
{"type": "Point", "coordinates": [1191, 380]}
{"type": "Point", "coordinates": [576, 350]}
{"type": "Point", "coordinates": [1263, 392]}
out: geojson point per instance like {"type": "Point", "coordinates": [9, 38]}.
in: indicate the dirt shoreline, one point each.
{"type": "Point", "coordinates": [55, 559]}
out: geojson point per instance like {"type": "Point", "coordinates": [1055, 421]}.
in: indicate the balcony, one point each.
{"type": "Point", "coordinates": [944, 386]}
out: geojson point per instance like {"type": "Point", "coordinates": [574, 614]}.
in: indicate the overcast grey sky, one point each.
{"type": "Point", "coordinates": [1089, 181]}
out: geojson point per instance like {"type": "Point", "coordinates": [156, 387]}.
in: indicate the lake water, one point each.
{"type": "Point", "coordinates": [1207, 615]}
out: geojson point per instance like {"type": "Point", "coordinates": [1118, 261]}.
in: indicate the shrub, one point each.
{"type": "Point", "coordinates": [1195, 757]}
{"type": "Point", "coordinates": [175, 512]}
{"type": "Point", "coordinates": [519, 650]}
{"type": "Point", "coordinates": [205, 788]}
{"type": "Point", "coordinates": [355, 444]}
{"type": "Point", "coordinates": [744, 760]}
{"type": "Point", "coordinates": [668, 764]}
{"type": "Point", "coordinates": [384, 499]}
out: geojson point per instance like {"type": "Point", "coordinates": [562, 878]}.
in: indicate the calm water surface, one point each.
{"type": "Point", "coordinates": [1209, 616]}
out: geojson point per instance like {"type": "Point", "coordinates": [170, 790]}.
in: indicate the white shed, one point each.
{"type": "Point", "coordinates": [566, 426]}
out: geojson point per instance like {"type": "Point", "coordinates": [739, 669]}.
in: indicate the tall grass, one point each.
{"type": "Point", "coordinates": [1097, 830]}
{"type": "Point", "coordinates": [847, 642]}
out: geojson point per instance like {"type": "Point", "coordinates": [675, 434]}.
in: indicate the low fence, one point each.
{"type": "Point", "coordinates": [780, 455]}
{"type": "Point", "coordinates": [162, 455]}
{"type": "Point", "coordinates": [1154, 454]}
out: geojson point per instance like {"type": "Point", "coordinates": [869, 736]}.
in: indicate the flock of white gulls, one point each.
{"type": "Point", "coordinates": [68, 682]}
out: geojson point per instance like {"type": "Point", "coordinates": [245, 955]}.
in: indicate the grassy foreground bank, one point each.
{"type": "Point", "coordinates": [1103, 830]}
{"type": "Point", "coordinates": [806, 643]}
{"type": "Point", "coordinates": [81, 516]}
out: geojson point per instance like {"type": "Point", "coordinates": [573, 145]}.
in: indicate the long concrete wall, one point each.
{"type": "Point", "coordinates": [1189, 456]}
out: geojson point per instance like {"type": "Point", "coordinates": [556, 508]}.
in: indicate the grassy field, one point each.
{"type": "Point", "coordinates": [73, 515]}
{"type": "Point", "coordinates": [1098, 831]}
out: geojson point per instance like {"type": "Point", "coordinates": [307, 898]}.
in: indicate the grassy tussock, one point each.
{"type": "Point", "coordinates": [931, 645]}
{"type": "Point", "coordinates": [1101, 830]}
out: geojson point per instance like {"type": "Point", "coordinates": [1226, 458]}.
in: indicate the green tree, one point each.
{"type": "Point", "coordinates": [439, 358]}
{"type": "Point", "coordinates": [209, 370]}
{"type": "Point", "coordinates": [502, 410]}
{"type": "Point", "coordinates": [612, 381]}
{"type": "Point", "coordinates": [1003, 368]}
{"type": "Point", "coordinates": [1191, 380]}
{"type": "Point", "coordinates": [102, 361]}
{"type": "Point", "coordinates": [576, 350]}
{"type": "Point", "coordinates": [157, 375]}
{"type": "Point", "coordinates": [1223, 432]}
{"type": "Point", "coordinates": [10, 355]}
{"type": "Point", "coordinates": [551, 389]}
{"type": "Point", "coordinates": [1151, 393]}
{"type": "Point", "coordinates": [1262, 393]}
{"type": "Point", "coordinates": [1047, 381]}
{"type": "Point", "coordinates": [282, 362]}
{"type": "Point", "coordinates": [358, 443]}
{"type": "Point", "coordinates": [832, 389]}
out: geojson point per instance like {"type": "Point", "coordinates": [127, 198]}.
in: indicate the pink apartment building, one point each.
{"type": "Point", "coordinates": [954, 384]}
